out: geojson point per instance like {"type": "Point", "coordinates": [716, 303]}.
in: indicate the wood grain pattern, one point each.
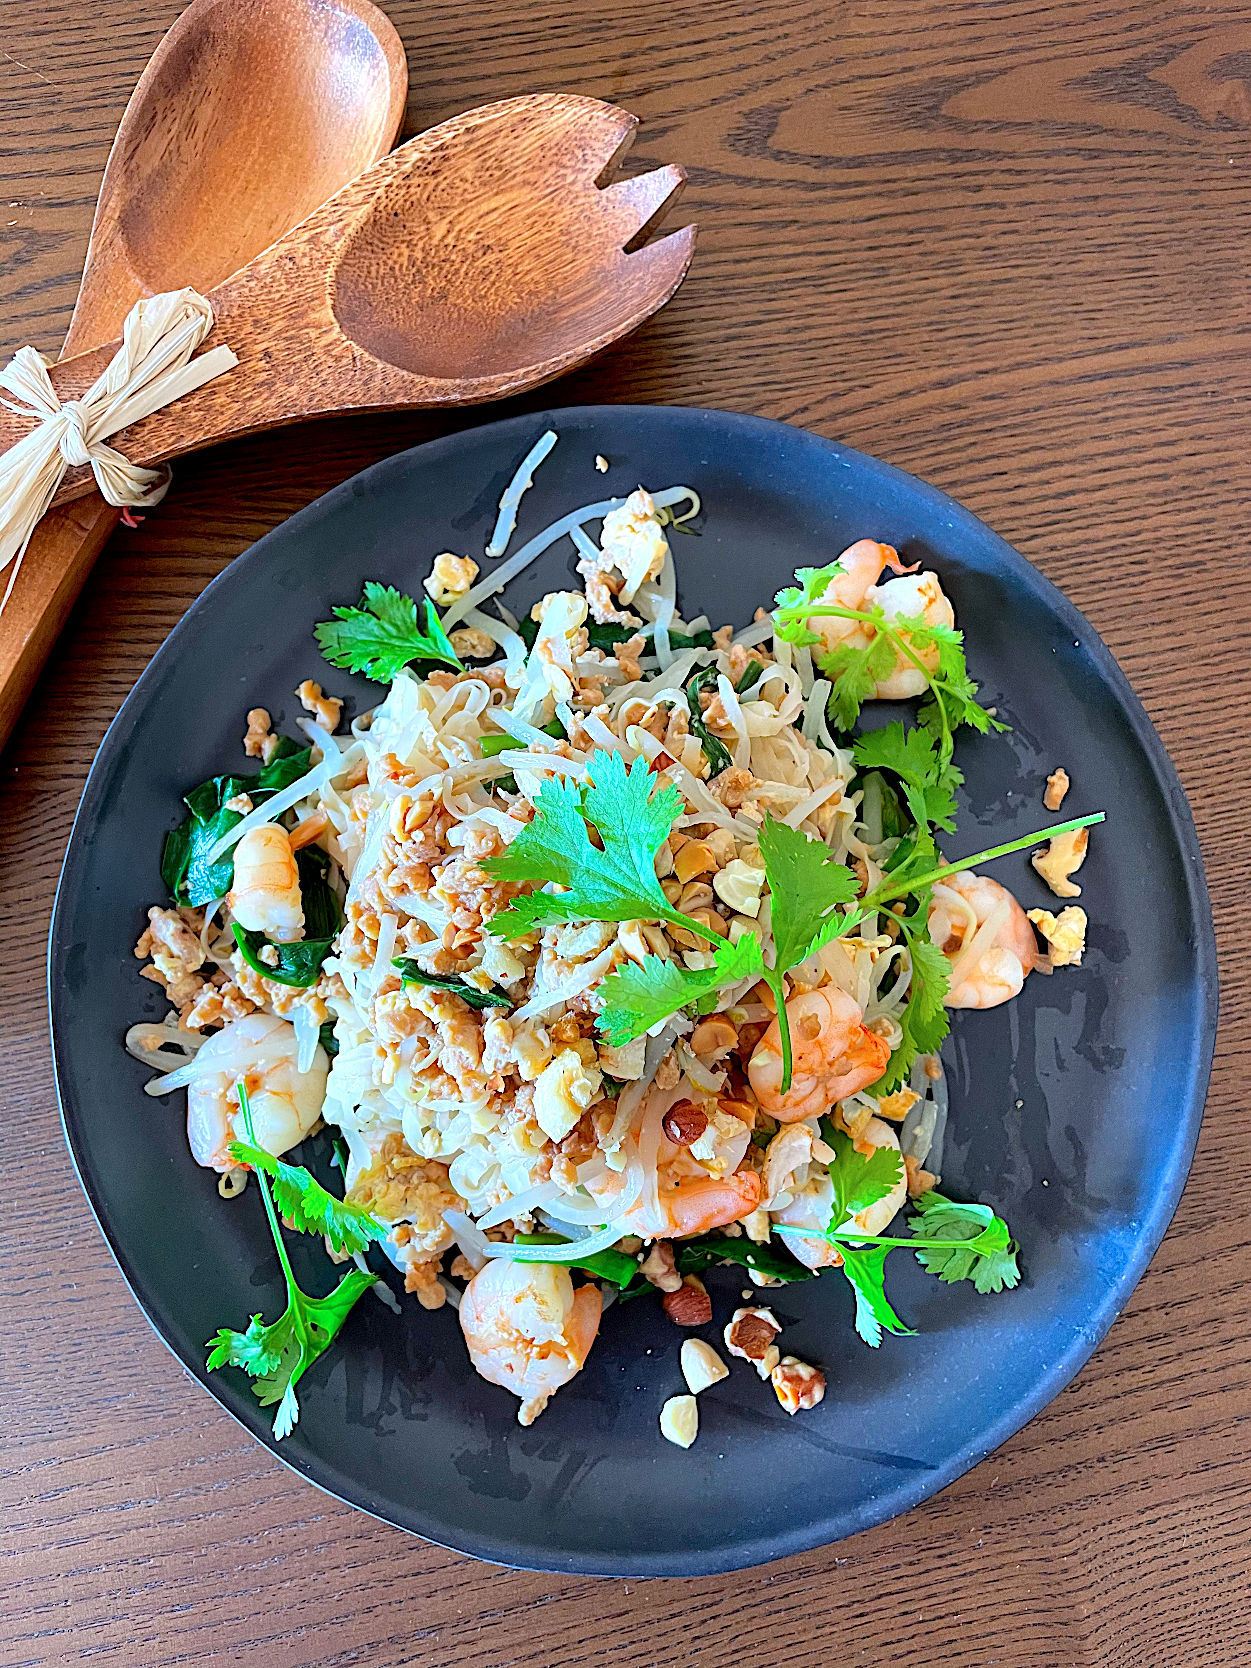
{"type": "Point", "coordinates": [482, 258]}
{"type": "Point", "coordinates": [1001, 245]}
{"type": "Point", "coordinates": [295, 98]}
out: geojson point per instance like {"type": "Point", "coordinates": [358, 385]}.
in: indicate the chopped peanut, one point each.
{"type": "Point", "coordinates": [679, 1420]}
{"type": "Point", "coordinates": [1057, 787]}
{"type": "Point", "coordinates": [690, 1305]}
{"type": "Point", "coordinates": [796, 1384]}
{"type": "Point", "coordinates": [701, 1365]}
{"type": "Point", "coordinates": [750, 1336]}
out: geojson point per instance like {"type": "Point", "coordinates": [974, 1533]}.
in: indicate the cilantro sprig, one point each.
{"type": "Point", "coordinates": [383, 635]}
{"type": "Point", "coordinates": [636, 997]}
{"type": "Point", "coordinates": [855, 673]}
{"type": "Point", "coordinates": [953, 1241]}
{"type": "Point", "coordinates": [613, 881]}
{"type": "Point", "coordinates": [277, 1356]}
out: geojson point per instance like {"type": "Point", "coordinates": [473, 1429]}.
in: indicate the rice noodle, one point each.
{"type": "Point", "coordinates": [521, 1205]}
{"type": "Point", "coordinates": [506, 521]}
{"type": "Point", "coordinates": [553, 1253]}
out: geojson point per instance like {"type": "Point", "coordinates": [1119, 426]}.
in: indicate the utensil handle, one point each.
{"type": "Point", "coordinates": [54, 570]}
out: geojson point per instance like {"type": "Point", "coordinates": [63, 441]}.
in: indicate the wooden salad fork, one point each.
{"type": "Point", "coordinates": [293, 97]}
{"type": "Point", "coordinates": [480, 259]}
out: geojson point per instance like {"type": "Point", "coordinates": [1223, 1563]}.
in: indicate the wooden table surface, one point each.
{"type": "Point", "coordinates": [999, 243]}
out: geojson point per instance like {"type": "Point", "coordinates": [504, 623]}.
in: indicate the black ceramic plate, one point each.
{"type": "Point", "coordinates": [1074, 1109]}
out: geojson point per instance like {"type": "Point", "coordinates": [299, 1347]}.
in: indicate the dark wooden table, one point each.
{"type": "Point", "coordinates": [1001, 244]}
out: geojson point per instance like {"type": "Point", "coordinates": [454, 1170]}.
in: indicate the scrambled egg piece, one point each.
{"type": "Point", "coordinates": [562, 1092]}
{"type": "Point", "coordinates": [450, 578]}
{"type": "Point", "coordinates": [1065, 934]}
{"type": "Point", "coordinates": [1064, 855]}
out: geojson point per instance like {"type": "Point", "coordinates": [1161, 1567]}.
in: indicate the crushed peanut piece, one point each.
{"type": "Point", "coordinates": [750, 1335]}
{"type": "Point", "coordinates": [658, 1267]}
{"type": "Point", "coordinates": [679, 1420]}
{"type": "Point", "coordinates": [1057, 786]}
{"type": "Point", "coordinates": [601, 463]}
{"type": "Point", "coordinates": [701, 1365]}
{"type": "Point", "coordinates": [1063, 857]}
{"type": "Point", "coordinates": [796, 1384]}
{"type": "Point", "coordinates": [1065, 934]}
{"type": "Point", "coordinates": [690, 1305]}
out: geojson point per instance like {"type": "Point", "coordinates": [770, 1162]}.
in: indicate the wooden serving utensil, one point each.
{"type": "Point", "coordinates": [480, 259]}
{"type": "Point", "coordinates": [293, 97]}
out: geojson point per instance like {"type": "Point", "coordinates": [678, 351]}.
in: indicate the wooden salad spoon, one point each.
{"type": "Point", "coordinates": [249, 115]}
{"type": "Point", "coordinates": [477, 260]}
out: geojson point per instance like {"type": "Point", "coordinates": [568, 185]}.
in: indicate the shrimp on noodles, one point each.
{"type": "Point", "coordinates": [985, 935]}
{"type": "Point", "coordinates": [833, 1053]}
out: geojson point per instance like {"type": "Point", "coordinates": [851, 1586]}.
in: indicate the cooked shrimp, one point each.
{"type": "Point", "coordinates": [259, 1050]}
{"type": "Point", "coordinates": [266, 892]}
{"type": "Point", "coordinates": [833, 1054]}
{"type": "Point", "coordinates": [906, 597]}
{"type": "Point", "coordinates": [985, 935]}
{"type": "Point", "coordinates": [527, 1329]}
{"type": "Point", "coordinates": [813, 1205]}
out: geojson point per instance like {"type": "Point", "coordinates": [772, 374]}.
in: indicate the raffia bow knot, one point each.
{"type": "Point", "coordinates": [152, 368]}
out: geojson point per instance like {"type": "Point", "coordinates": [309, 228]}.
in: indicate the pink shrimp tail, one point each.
{"type": "Point", "coordinates": [890, 559]}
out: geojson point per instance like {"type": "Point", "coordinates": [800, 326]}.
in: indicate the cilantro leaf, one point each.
{"type": "Point", "coordinates": [854, 675]}
{"type": "Point", "coordinates": [865, 1271]}
{"type": "Point", "coordinates": [860, 1180]}
{"type": "Point", "coordinates": [806, 885]}
{"type": "Point", "coordinates": [617, 883]}
{"type": "Point", "coordinates": [306, 1204]}
{"type": "Point", "coordinates": [929, 784]}
{"type": "Point", "coordinates": [638, 997]}
{"type": "Point", "coordinates": [383, 635]}
{"type": "Point", "coordinates": [986, 1255]}
{"type": "Point", "coordinates": [276, 1356]}
{"type": "Point", "coordinates": [411, 973]}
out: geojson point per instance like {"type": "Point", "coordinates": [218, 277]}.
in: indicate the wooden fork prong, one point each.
{"type": "Point", "coordinates": [633, 206]}
{"type": "Point", "coordinates": [659, 267]}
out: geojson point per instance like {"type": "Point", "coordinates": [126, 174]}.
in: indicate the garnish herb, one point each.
{"type": "Point", "coordinates": [277, 1356]}
{"type": "Point", "coordinates": [956, 1242]}
{"type": "Point", "coordinates": [854, 673]}
{"type": "Point", "coordinates": [190, 878]}
{"type": "Point", "coordinates": [638, 997]}
{"type": "Point", "coordinates": [413, 974]}
{"type": "Point", "coordinates": [382, 635]}
{"type": "Point", "coordinates": [491, 745]}
{"type": "Point", "coordinates": [615, 883]}
{"type": "Point", "coordinates": [693, 1256]}
{"type": "Point", "coordinates": [328, 1040]}
{"type": "Point", "coordinates": [605, 637]}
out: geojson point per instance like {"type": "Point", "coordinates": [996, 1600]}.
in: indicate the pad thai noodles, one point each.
{"type": "Point", "coordinates": [609, 946]}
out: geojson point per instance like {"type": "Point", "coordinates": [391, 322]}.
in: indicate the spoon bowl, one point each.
{"type": "Point", "coordinates": [249, 115]}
